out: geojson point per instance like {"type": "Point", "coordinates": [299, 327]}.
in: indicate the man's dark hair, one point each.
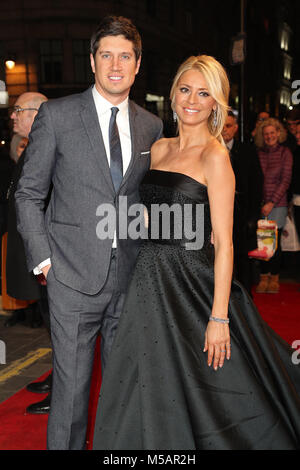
{"type": "Point", "coordinates": [293, 114]}
{"type": "Point", "coordinates": [116, 26]}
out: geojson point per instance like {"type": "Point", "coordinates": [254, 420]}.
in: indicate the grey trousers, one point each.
{"type": "Point", "coordinates": [76, 320]}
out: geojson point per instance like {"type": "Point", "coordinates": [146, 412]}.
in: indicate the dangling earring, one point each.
{"type": "Point", "coordinates": [174, 116]}
{"type": "Point", "coordinates": [215, 119]}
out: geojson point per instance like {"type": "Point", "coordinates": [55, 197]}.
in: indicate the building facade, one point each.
{"type": "Point", "coordinates": [49, 43]}
{"type": "Point", "coordinates": [272, 60]}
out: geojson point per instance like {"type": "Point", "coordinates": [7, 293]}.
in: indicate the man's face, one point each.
{"type": "Point", "coordinates": [292, 126]}
{"type": "Point", "coordinates": [297, 135]}
{"type": "Point", "coordinates": [23, 120]}
{"type": "Point", "coordinates": [230, 128]}
{"type": "Point", "coordinates": [115, 68]}
{"type": "Point", "coordinates": [263, 116]}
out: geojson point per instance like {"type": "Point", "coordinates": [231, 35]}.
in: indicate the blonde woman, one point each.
{"type": "Point", "coordinates": [180, 376]}
{"type": "Point", "coordinates": [276, 162]}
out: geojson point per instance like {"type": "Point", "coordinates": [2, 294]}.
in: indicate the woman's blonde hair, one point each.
{"type": "Point", "coordinates": [217, 84]}
{"type": "Point", "coordinates": [259, 138]}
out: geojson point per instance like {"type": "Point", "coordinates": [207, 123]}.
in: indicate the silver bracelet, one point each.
{"type": "Point", "coordinates": [219, 320]}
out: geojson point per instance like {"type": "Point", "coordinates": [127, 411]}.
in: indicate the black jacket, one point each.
{"type": "Point", "coordinates": [249, 184]}
{"type": "Point", "coordinates": [21, 284]}
{"type": "Point", "coordinates": [295, 183]}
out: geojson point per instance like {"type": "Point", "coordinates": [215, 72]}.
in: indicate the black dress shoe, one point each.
{"type": "Point", "coordinates": [40, 408]}
{"type": "Point", "coordinates": [41, 387]}
{"type": "Point", "coordinates": [17, 316]}
{"type": "Point", "coordinates": [33, 316]}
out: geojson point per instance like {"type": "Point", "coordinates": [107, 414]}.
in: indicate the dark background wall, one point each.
{"type": "Point", "coordinates": [49, 41]}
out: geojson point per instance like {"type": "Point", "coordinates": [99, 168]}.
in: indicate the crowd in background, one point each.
{"type": "Point", "coordinates": [278, 145]}
{"type": "Point", "coordinates": [267, 170]}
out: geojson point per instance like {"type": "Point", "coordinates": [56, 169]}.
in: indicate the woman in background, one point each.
{"type": "Point", "coordinates": [276, 161]}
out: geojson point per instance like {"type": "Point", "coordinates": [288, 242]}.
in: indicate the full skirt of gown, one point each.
{"type": "Point", "coordinates": [158, 392]}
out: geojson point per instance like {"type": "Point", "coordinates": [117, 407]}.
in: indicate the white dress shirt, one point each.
{"type": "Point", "coordinates": [103, 108]}
{"type": "Point", "coordinates": [229, 145]}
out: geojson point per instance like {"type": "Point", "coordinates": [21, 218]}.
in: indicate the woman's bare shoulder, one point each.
{"type": "Point", "coordinates": [161, 144]}
{"type": "Point", "coordinates": [159, 149]}
{"type": "Point", "coordinates": [215, 148]}
{"type": "Point", "coordinates": [215, 154]}
{"type": "Point", "coordinates": [217, 165]}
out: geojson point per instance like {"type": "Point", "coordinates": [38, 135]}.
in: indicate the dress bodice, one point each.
{"type": "Point", "coordinates": [178, 209]}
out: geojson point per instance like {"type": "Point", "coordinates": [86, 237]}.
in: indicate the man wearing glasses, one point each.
{"type": "Point", "coordinates": [24, 112]}
{"type": "Point", "coordinates": [22, 284]}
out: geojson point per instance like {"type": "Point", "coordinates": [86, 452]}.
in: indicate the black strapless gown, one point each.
{"type": "Point", "coordinates": [158, 392]}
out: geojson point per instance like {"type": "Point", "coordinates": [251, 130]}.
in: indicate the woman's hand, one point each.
{"type": "Point", "coordinates": [217, 343]}
{"type": "Point", "coordinates": [266, 209]}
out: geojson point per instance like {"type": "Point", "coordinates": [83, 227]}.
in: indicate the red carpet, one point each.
{"type": "Point", "coordinates": [20, 431]}
{"type": "Point", "coordinates": [28, 432]}
{"type": "Point", "coordinates": [281, 311]}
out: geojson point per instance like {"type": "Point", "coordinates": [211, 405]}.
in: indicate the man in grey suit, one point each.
{"type": "Point", "coordinates": [93, 148]}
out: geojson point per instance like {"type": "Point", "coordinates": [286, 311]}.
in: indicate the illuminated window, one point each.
{"type": "Point", "coordinates": [287, 66]}
{"type": "Point", "coordinates": [155, 104]}
{"type": "Point", "coordinates": [285, 98]}
{"type": "Point", "coordinates": [287, 71]}
{"type": "Point", "coordinates": [284, 43]}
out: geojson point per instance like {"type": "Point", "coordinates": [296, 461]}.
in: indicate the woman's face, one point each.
{"type": "Point", "coordinates": [271, 135]}
{"type": "Point", "coordinates": [193, 103]}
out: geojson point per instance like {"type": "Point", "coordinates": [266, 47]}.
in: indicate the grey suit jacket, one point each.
{"type": "Point", "coordinates": [66, 150]}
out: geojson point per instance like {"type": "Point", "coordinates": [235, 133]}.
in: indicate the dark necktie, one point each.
{"type": "Point", "coordinates": [116, 161]}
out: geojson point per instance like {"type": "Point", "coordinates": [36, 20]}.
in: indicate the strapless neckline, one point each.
{"type": "Point", "coordinates": [177, 183]}
{"type": "Point", "coordinates": [180, 174]}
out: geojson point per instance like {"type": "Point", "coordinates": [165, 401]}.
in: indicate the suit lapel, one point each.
{"type": "Point", "coordinates": [91, 124]}
{"type": "Point", "coordinates": [136, 139]}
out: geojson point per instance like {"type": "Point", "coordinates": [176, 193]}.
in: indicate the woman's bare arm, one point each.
{"type": "Point", "coordinates": [221, 188]}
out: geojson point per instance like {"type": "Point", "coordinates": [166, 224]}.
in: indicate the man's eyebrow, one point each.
{"type": "Point", "coordinates": [109, 52]}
